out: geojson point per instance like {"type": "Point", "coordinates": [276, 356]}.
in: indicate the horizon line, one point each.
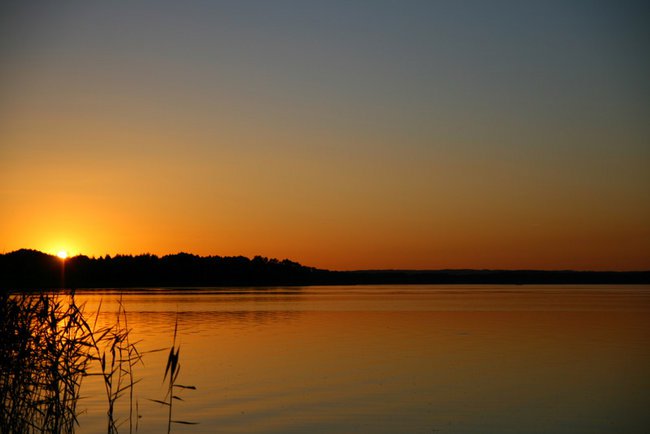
{"type": "Point", "coordinates": [360, 270]}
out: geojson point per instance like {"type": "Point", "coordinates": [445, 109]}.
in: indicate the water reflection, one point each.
{"type": "Point", "coordinates": [402, 359]}
{"type": "Point", "coordinates": [200, 321]}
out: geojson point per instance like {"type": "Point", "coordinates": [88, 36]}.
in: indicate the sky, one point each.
{"type": "Point", "coordinates": [339, 134]}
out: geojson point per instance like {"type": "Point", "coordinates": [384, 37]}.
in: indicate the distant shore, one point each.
{"type": "Point", "coordinates": [31, 269]}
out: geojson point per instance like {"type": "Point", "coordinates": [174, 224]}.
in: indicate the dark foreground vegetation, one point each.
{"type": "Point", "coordinates": [25, 269]}
{"type": "Point", "coordinates": [43, 356]}
{"type": "Point", "coordinates": [48, 345]}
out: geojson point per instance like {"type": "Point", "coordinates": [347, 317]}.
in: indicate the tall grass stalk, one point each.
{"type": "Point", "coordinates": [117, 356]}
{"type": "Point", "coordinates": [172, 370]}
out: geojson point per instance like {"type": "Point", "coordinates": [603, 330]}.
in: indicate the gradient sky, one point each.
{"type": "Point", "coordinates": [340, 134]}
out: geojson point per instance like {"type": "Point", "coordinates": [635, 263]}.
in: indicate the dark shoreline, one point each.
{"type": "Point", "coordinates": [30, 269]}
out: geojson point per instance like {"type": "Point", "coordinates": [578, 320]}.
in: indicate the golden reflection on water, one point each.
{"type": "Point", "coordinates": [397, 359]}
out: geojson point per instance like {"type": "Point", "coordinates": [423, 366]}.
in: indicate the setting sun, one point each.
{"type": "Point", "coordinates": [62, 254]}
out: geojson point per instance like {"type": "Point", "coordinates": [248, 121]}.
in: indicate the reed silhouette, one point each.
{"type": "Point", "coordinates": [49, 344]}
{"type": "Point", "coordinates": [172, 370]}
{"type": "Point", "coordinates": [44, 354]}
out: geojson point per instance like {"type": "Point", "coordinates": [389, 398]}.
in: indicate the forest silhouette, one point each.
{"type": "Point", "coordinates": [31, 269]}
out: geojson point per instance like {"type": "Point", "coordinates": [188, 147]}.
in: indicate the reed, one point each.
{"type": "Point", "coordinates": [44, 354]}
{"type": "Point", "coordinates": [172, 370]}
{"type": "Point", "coordinates": [47, 346]}
{"type": "Point", "coordinates": [117, 357]}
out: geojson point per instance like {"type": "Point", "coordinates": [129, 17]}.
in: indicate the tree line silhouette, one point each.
{"type": "Point", "coordinates": [33, 269]}
{"type": "Point", "coordinates": [26, 269]}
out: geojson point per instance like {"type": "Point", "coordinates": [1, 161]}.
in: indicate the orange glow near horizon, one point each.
{"type": "Point", "coordinates": [317, 208]}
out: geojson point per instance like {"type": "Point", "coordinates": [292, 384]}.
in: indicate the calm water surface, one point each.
{"type": "Point", "coordinates": [391, 359]}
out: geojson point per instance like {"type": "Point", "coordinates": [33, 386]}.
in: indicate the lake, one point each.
{"type": "Point", "coordinates": [389, 359]}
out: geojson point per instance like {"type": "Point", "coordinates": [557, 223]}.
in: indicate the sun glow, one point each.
{"type": "Point", "coordinates": [62, 254]}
